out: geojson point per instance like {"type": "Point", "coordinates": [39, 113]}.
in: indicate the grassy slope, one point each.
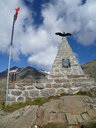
{"type": "Point", "coordinates": [90, 68]}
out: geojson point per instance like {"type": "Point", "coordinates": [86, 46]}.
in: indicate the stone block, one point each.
{"type": "Point", "coordinates": [44, 119]}
{"type": "Point", "coordinates": [28, 99]}
{"type": "Point", "coordinates": [57, 70]}
{"type": "Point", "coordinates": [23, 85]}
{"type": "Point", "coordinates": [48, 85]}
{"type": "Point", "coordinates": [12, 86]}
{"type": "Point", "coordinates": [25, 93]}
{"type": "Point", "coordinates": [11, 98]}
{"type": "Point", "coordinates": [67, 84]}
{"type": "Point", "coordinates": [48, 92]}
{"type": "Point", "coordinates": [79, 118]}
{"type": "Point", "coordinates": [77, 84]}
{"type": "Point", "coordinates": [16, 93]}
{"type": "Point", "coordinates": [92, 113]}
{"type": "Point", "coordinates": [39, 86]}
{"type": "Point", "coordinates": [57, 117]}
{"type": "Point", "coordinates": [57, 85]}
{"type": "Point", "coordinates": [71, 119]}
{"type": "Point", "coordinates": [43, 80]}
{"type": "Point", "coordinates": [61, 80]}
{"type": "Point", "coordinates": [77, 80]}
{"type": "Point", "coordinates": [50, 80]}
{"type": "Point", "coordinates": [21, 88]}
{"type": "Point", "coordinates": [60, 91]}
{"type": "Point", "coordinates": [85, 116]}
{"type": "Point", "coordinates": [75, 76]}
{"type": "Point", "coordinates": [20, 99]}
{"type": "Point", "coordinates": [30, 88]}
{"type": "Point", "coordinates": [34, 93]}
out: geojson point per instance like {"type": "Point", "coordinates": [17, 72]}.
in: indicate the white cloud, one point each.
{"type": "Point", "coordinates": [44, 58]}
{"type": "Point", "coordinates": [40, 44]}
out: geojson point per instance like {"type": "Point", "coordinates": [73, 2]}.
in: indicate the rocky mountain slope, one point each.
{"type": "Point", "coordinates": [24, 75]}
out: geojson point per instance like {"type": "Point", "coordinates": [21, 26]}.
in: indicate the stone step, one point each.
{"type": "Point", "coordinates": [85, 116]}
{"type": "Point", "coordinates": [91, 113]}
{"type": "Point", "coordinates": [71, 119]}
{"type": "Point", "coordinates": [79, 118]}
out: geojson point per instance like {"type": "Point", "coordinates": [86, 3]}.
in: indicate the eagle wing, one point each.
{"type": "Point", "coordinates": [59, 33]}
{"type": "Point", "coordinates": [68, 34]}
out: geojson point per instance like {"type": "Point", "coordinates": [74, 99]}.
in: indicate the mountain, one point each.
{"type": "Point", "coordinates": [90, 68]}
{"type": "Point", "coordinates": [23, 75]}
{"type": "Point", "coordinates": [31, 75]}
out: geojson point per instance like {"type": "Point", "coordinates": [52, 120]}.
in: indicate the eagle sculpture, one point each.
{"type": "Point", "coordinates": [63, 34]}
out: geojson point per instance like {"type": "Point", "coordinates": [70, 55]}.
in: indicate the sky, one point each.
{"type": "Point", "coordinates": [35, 43]}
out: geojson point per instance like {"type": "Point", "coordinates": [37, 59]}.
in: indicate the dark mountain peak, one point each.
{"type": "Point", "coordinates": [13, 68]}
{"type": "Point", "coordinates": [29, 67]}
{"type": "Point", "coordinates": [24, 75]}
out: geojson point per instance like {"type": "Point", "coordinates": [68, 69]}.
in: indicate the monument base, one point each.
{"type": "Point", "coordinates": [74, 82]}
{"type": "Point", "coordinates": [52, 86]}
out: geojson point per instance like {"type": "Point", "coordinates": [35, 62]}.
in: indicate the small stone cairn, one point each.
{"type": "Point", "coordinates": [66, 77]}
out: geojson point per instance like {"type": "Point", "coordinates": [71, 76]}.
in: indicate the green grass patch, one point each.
{"type": "Point", "coordinates": [88, 93]}
{"type": "Point", "coordinates": [55, 125]}
{"type": "Point", "coordinates": [13, 107]}
{"type": "Point", "coordinates": [37, 101]}
{"type": "Point", "coordinates": [88, 124]}
{"type": "Point", "coordinates": [2, 100]}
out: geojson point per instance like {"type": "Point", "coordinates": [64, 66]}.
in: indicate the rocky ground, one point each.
{"type": "Point", "coordinates": [70, 111]}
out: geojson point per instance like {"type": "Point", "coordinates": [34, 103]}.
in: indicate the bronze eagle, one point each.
{"type": "Point", "coordinates": [63, 34]}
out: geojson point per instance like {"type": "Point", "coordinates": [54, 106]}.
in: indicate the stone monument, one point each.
{"type": "Point", "coordinates": [66, 77]}
{"type": "Point", "coordinates": [66, 63]}
{"type": "Point", "coordinates": [66, 71]}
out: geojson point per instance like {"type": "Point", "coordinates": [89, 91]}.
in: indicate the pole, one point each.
{"type": "Point", "coordinates": [7, 86]}
{"type": "Point", "coordinates": [9, 62]}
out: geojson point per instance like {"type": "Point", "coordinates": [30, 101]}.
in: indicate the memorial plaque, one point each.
{"type": "Point", "coordinates": [65, 63]}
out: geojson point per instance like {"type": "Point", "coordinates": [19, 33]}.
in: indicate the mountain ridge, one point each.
{"type": "Point", "coordinates": [90, 68]}
{"type": "Point", "coordinates": [30, 74]}
{"type": "Point", "coordinates": [26, 74]}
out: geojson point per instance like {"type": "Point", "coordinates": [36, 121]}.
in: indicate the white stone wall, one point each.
{"type": "Point", "coordinates": [23, 92]}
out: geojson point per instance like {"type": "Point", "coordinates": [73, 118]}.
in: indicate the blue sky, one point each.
{"type": "Point", "coordinates": [35, 43]}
